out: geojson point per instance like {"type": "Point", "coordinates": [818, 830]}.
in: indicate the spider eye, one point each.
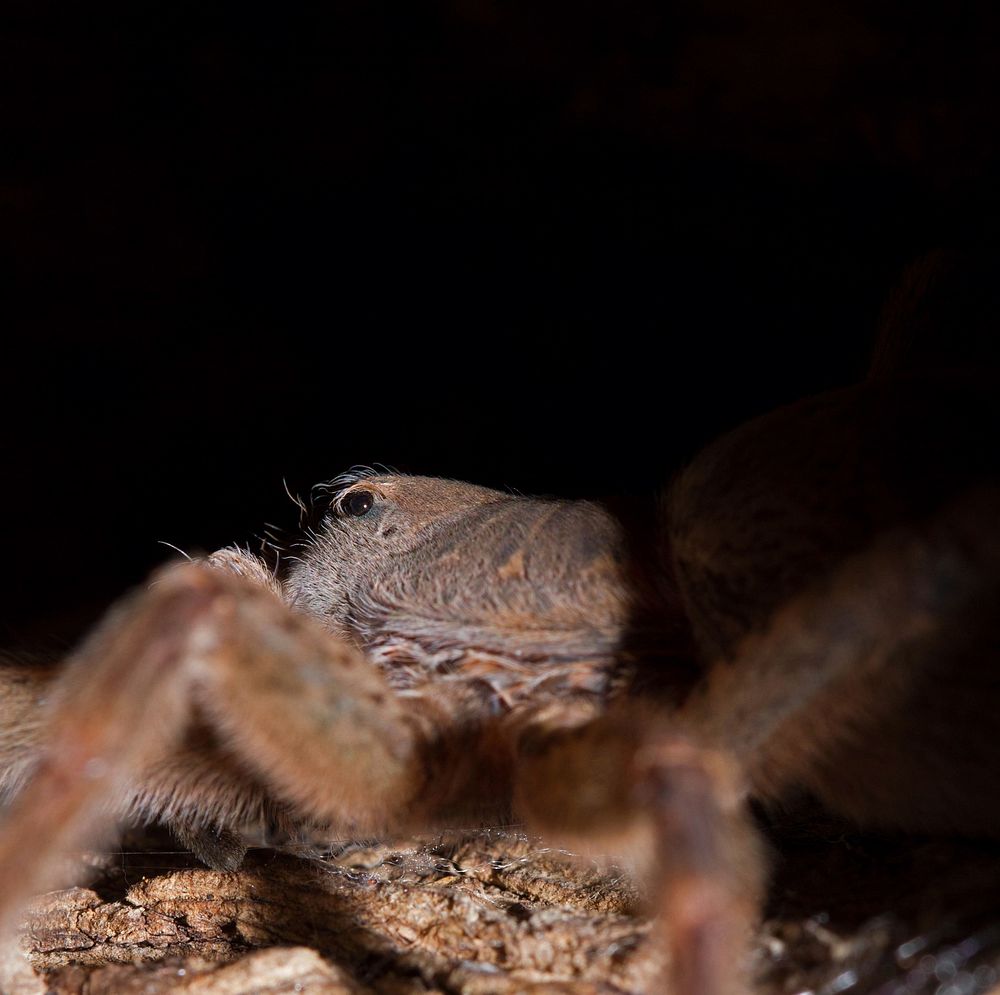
{"type": "Point", "coordinates": [357, 503]}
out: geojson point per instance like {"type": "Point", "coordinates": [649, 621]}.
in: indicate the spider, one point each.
{"type": "Point", "coordinates": [809, 611]}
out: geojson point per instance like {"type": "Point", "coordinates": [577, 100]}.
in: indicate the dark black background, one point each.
{"type": "Point", "coordinates": [554, 246]}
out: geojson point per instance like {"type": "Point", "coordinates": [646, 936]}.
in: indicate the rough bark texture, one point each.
{"type": "Point", "coordinates": [496, 912]}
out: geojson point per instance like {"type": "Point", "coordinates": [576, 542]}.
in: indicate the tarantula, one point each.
{"type": "Point", "coordinates": [811, 609]}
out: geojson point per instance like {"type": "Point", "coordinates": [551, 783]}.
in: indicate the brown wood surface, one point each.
{"type": "Point", "coordinates": [497, 912]}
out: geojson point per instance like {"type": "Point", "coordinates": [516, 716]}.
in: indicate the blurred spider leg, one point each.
{"type": "Point", "coordinates": [628, 785]}
{"type": "Point", "coordinates": [303, 709]}
{"type": "Point", "coordinates": [710, 863]}
{"type": "Point", "coordinates": [874, 646]}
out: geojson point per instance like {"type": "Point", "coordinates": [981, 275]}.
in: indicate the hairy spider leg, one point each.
{"type": "Point", "coordinates": [303, 709]}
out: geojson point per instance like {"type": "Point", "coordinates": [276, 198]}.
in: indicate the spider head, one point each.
{"type": "Point", "coordinates": [453, 563]}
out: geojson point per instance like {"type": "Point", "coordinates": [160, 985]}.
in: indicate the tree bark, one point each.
{"type": "Point", "coordinates": [495, 912]}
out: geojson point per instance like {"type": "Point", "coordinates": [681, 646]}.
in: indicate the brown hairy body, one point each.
{"type": "Point", "coordinates": [812, 610]}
